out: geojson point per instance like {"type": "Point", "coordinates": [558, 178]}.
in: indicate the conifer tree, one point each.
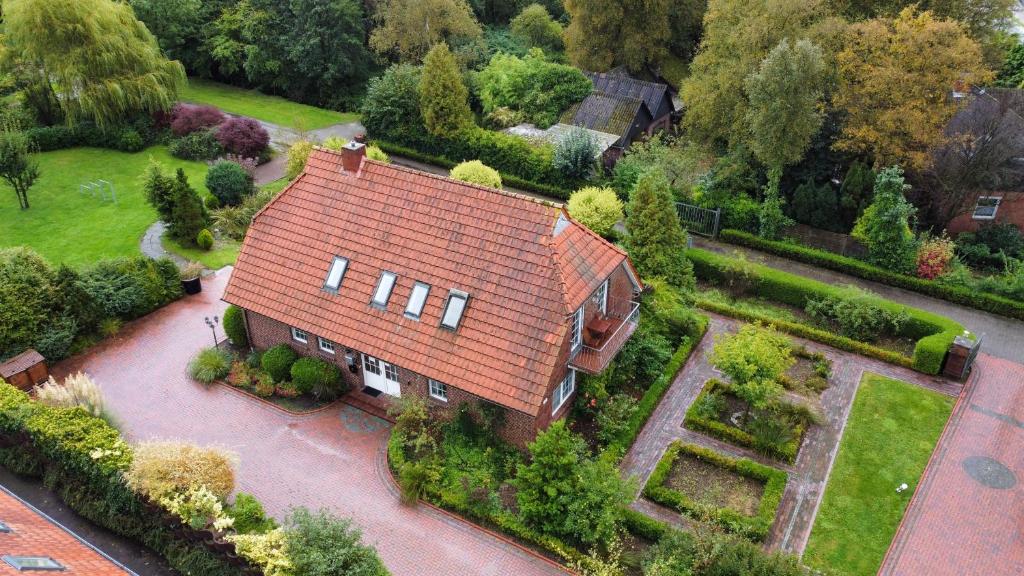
{"type": "Point", "coordinates": [188, 215]}
{"type": "Point", "coordinates": [160, 190]}
{"type": "Point", "coordinates": [443, 96]}
{"type": "Point", "coordinates": [656, 238]}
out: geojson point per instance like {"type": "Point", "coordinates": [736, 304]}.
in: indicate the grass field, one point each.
{"type": "Point", "coordinates": [224, 252]}
{"type": "Point", "coordinates": [66, 227]}
{"type": "Point", "coordinates": [892, 430]}
{"type": "Point", "coordinates": [255, 104]}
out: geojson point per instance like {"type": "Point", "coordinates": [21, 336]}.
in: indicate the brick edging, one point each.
{"type": "Point", "coordinates": [460, 518]}
{"type": "Point", "coordinates": [266, 402]}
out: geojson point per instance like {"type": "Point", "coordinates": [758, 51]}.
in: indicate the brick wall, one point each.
{"type": "Point", "coordinates": [1011, 209]}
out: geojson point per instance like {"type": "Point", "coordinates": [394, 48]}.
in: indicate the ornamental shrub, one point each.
{"type": "Point", "coordinates": [229, 182]}
{"type": "Point", "coordinates": [642, 358]}
{"type": "Point", "coordinates": [934, 256]}
{"type": "Point", "coordinates": [298, 154]}
{"type": "Point", "coordinates": [55, 341]}
{"type": "Point", "coordinates": [575, 154]}
{"type": "Point", "coordinates": [391, 108]}
{"type": "Point", "coordinates": [77, 390]}
{"type": "Point", "coordinates": [189, 118]}
{"type": "Point", "coordinates": [884, 227]}
{"type": "Point", "coordinates": [476, 172]}
{"type": "Point", "coordinates": [614, 416]}
{"type": "Point", "coordinates": [320, 544]}
{"type": "Point", "coordinates": [243, 136]}
{"type": "Point", "coordinates": [816, 205]}
{"type": "Point", "coordinates": [375, 153]}
{"type": "Point", "coordinates": [162, 468]}
{"type": "Point", "coordinates": [127, 288]}
{"type": "Point", "coordinates": [188, 213]}
{"type": "Point", "coordinates": [26, 282]}
{"type": "Point", "coordinates": [540, 89]}
{"type": "Point", "coordinates": [596, 208]}
{"type": "Point", "coordinates": [249, 515]}
{"type": "Point", "coordinates": [754, 358]}
{"type": "Point", "coordinates": [209, 364]}
{"type": "Point", "coordinates": [234, 326]}
{"type": "Point", "coordinates": [856, 316]}
{"type": "Point", "coordinates": [317, 377]}
{"type": "Point", "coordinates": [198, 145]}
{"type": "Point", "coordinates": [277, 362]}
{"type": "Point", "coordinates": [204, 240]}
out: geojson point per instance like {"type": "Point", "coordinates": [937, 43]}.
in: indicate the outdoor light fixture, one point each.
{"type": "Point", "coordinates": [213, 327]}
{"type": "Point", "coordinates": [350, 359]}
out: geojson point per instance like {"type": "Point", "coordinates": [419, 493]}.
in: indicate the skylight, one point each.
{"type": "Point", "coordinates": [4, 527]}
{"type": "Point", "coordinates": [383, 291]}
{"type": "Point", "coordinates": [417, 298]}
{"type": "Point", "coordinates": [454, 308]}
{"type": "Point", "coordinates": [30, 563]}
{"type": "Point", "coordinates": [336, 273]}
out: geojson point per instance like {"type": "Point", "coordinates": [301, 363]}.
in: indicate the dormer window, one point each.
{"type": "Point", "coordinates": [454, 308]}
{"type": "Point", "coordinates": [334, 276]}
{"type": "Point", "coordinates": [383, 292]}
{"type": "Point", "coordinates": [417, 299]}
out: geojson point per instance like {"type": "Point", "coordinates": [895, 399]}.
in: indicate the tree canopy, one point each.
{"type": "Point", "coordinates": [408, 29]}
{"type": "Point", "coordinates": [603, 33]}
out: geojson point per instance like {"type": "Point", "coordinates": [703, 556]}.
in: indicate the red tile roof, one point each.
{"type": "Point", "coordinates": [524, 280]}
{"type": "Point", "coordinates": [20, 363]}
{"type": "Point", "coordinates": [35, 535]}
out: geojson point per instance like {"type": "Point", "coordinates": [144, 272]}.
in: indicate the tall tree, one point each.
{"type": "Point", "coordinates": [603, 33]}
{"type": "Point", "coordinates": [535, 28]}
{"type": "Point", "coordinates": [188, 215]}
{"type": "Point", "coordinates": [656, 238]}
{"type": "Point", "coordinates": [896, 76]}
{"type": "Point", "coordinates": [160, 190]}
{"type": "Point", "coordinates": [408, 29]}
{"type": "Point", "coordinates": [884, 227]}
{"type": "Point", "coordinates": [738, 35]}
{"type": "Point", "coordinates": [17, 167]}
{"type": "Point", "coordinates": [443, 96]}
{"type": "Point", "coordinates": [101, 61]}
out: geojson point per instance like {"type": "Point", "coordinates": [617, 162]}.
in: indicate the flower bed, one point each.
{"type": "Point", "coordinates": [809, 376]}
{"type": "Point", "coordinates": [755, 527]}
{"type": "Point", "coordinates": [972, 298]}
{"type": "Point", "coordinates": [933, 333]}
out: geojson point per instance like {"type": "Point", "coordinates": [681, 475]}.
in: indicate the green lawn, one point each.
{"type": "Point", "coordinates": [224, 252]}
{"type": "Point", "coordinates": [892, 430]}
{"type": "Point", "coordinates": [67, 227]}
{"type": "Point", "coordinates": [255, 104]}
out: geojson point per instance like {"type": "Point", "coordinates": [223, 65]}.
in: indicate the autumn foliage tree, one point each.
{"type": "Point", "coordinates": [603, 33]}
{"type": "Point", "coordinates": [896, 76]}
{"type": "Point", "coordinates": [408, 29]}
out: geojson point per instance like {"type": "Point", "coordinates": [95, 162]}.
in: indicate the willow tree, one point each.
{"type": "Point", "coordinates": [100, 61]}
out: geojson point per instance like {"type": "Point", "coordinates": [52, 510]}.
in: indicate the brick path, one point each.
{"type": "Point", "coordinates": [333, 459]}
{"type": "Point", "coordinates": [809, 474]}
{"type": "Point", "coordinates": [959, 523]}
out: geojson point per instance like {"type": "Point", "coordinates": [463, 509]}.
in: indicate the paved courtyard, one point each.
{"type": "Point", "coordinates": [333, 459]}
{"type": "Point", "coordinates": [809, 474]}
{"type": "Point", "coordinates": [965, 517]}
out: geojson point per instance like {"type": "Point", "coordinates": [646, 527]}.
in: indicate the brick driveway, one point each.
{"type": "Point", "coordinates": [333, 459]}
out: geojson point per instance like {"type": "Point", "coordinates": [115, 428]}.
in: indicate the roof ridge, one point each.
{"type": "Point", "coordinates": [549, 243]}
{"type": "Point", "coordinates": [595, 234]}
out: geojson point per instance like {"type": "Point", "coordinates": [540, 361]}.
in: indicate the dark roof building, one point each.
{"type": "Point", "coordinates": [656, 96]}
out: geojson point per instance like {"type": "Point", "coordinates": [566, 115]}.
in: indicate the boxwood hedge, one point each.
{"type": "Point", "coordinates": [825, 259]}
{"type": "Point", "coordinates": [753, 527]}
{"type": "Point", "coordinates": [933, 333]}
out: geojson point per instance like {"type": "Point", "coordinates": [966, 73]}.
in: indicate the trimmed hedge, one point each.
{"type": "Point", "coordinates": [753, 527]}
{"type": "Point", "coordinates": [653, 395]}
{"type": "Point", "coordinates": [234, 326]}
{"type": "Point", "coordinates": [933, 333]}
{"type": "Point", "coordinates": [82, 458]}
{"type": "Point", "coordinates": [980, 300]}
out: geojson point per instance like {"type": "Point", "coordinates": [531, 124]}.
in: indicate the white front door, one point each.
{"type": "Point", "coordinates": [381, 376]}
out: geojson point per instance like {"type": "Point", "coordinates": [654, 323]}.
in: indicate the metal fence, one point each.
{"type": "Point", "coordinates": [703, 221]}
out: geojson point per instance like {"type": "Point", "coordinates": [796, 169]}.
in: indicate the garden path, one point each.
{"type": "Point", "coordinates": [152, 248]}
{"type": "Point", "coordinates": [808, 475]}
{"type": "Point", "coordinates": [334, 459]}
{"type": "Point", "coordinates": [1004, 337]}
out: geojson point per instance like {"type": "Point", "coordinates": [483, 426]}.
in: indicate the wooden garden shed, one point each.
{"type": "Point", "coordinates": [25, 370]}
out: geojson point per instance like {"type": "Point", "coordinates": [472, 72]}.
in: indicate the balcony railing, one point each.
{"type": "Point", "coordinates": [595, 353]}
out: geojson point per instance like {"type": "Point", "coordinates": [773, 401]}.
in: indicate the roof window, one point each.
{"type": "Point", "coordinates": [32, 563]}
{"type": "Point", "coordinates": [454, 308]}
{"type": "Point", "coordinates": [335, 274]}
{"type": "Point", "coordinates": [417, 298]}
{"type": "Point", "coordinates": [383, 291]}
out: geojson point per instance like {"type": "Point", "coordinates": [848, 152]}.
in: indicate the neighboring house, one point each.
{"type": "Point", "coordinates": [415, 284]}
{"type": "Point", "coordinates": [32, 542]}
{"type": "Point", "coordinates": [622, 106]}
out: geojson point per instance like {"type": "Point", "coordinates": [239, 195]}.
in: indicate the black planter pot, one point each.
{"type": "Point", "coordinates": [193, 286]}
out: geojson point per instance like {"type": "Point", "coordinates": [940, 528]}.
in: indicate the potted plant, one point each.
{"type": "Point", "coordinates": [190, 275]}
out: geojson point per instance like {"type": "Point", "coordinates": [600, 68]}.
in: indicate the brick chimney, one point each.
{"type": "Point", "coordinates": [352, 156]}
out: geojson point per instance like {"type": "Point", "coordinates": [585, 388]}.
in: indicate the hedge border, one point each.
{"type": "Point", "coordinates": [984, 301]}
{"type": "Point", "coordinates": [652, 397]}
{"type": "Point", "coordinates": [732, 434]}
{"type": "Point", "coordinates": [753, 527]}
{"type": "Point", "coordinates": [934, 333]}
{"type": "Point", "coordinates": [555, 192]}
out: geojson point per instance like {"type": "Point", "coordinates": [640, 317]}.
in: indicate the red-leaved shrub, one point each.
{"type": "Point", "coordinates": [188, 118]}
{"type": "Point", "coordinates": [243, 136]}
{"type": "Point", "coordinates": [934, 256]}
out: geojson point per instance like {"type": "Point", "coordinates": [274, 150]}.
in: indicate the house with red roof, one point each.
{"type": "Point", "coordinates": [416, 284]}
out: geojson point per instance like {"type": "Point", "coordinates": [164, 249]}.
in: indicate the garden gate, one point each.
{"type": "Point", "coordinates": [703, 221]}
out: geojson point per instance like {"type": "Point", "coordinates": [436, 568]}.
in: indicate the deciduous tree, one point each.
{"type": "Point", "coordinates": [443, 96]}
{"type": "Point", "coordinates": [535, 28]}
{"type": "Point", "coordinates": [17, 166]}
{"type": "Point", "coordinates": [603, 33]}
{"type": "Point", "coordinates": [408, 29]}
{"type": "Point", "coordinates": [753, 358]}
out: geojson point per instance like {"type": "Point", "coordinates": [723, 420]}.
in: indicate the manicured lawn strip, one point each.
{"type": "Point", "coordinates": [260, 106]}
{"type": "Point", "coordinates": [756, 527]}
{"type": "Point", "coordinates": [891, 433]}
{"type": "Point", "coordinates": [653, 395]}
{"type": "Point", "coordinates": [224, 252]}
{"type": "Point", "coordinates": [933, 333]}
{"type": "Point", "coordinates": [67, 227]}
{"type": "Point", "coordinates": [825, 259]}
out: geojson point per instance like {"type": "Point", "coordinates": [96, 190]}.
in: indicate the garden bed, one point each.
{"type": "Point", "coordinates": [257, 383]}
{"type": "Point", "coordinates": [809, 374]}
{"type": "Point", "coordinates": [740, 495]}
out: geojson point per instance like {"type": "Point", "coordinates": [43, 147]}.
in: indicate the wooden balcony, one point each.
{"type": "Point", "coordinates": [604, 336]}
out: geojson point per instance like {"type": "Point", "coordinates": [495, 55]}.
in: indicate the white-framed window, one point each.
{"type": "Point", "coordinates": [986, 208]}
{"type": "Point", "coordinates": [383, 291]}
{"type": "Point", "coordinates": [438, 390]}
{"type": "Point", "coordinates": [390, 372]}
{"type": "Point", "coordinates": [454, 308]}
{"type": "Point", "coordinates": [600, 298]}
{"type": "Point", "coordinates": [577, 329]}
{"type": "Point", "coordinates": [325, 344]}
{"type": "Point", "coordinates": [335, 274]}
{"type": "Point", "coordinates": [33, 563]}
{"type": "Point", "coordinates": [563, 391]}
{"type": "Point", "coordinates": [300, 335]}
{"type": "Point", "coordinates": [417, 299]}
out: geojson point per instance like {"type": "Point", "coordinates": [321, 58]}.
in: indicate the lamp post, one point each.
{"type": "Point", "coordinates": [213, 328]}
